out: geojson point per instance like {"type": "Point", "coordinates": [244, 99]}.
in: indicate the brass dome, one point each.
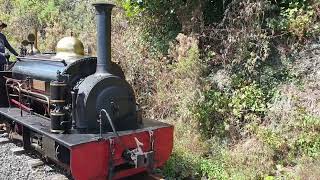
{"type": "Point", "coordinates": [69, 47]}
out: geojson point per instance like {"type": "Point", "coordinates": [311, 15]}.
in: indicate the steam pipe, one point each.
{"type": "Point", "coordinates": [103, 18]}
{"type": "Point", "coordinates": [37, 96]}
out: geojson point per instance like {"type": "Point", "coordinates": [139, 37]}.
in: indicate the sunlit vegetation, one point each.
{"type": "Point", "coordinates": [238, 79]}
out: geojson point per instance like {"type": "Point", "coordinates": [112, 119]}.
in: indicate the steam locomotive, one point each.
{"type": "Point", "coordinates": [80, 112]}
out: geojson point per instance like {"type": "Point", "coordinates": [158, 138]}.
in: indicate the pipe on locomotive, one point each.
{"type": "Point", "coordinates": [103, 18]}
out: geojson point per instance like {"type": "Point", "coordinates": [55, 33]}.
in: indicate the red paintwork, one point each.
{"type": "Point", "coordinates": [90, 161]}
{"type": "Point", "coordinates": [19, 105]}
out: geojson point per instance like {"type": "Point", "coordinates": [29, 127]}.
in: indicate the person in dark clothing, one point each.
{"type": "Point", "coordinates": [3, 45]}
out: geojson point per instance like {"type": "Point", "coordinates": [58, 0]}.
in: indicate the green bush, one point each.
{"type": "Point", "coordinates": [308, 143]}
{"type": "Point", "coordinates": [248, 99]}
{"type": "Point", "coordinates": [213, 169]}
{"type": "Point", "coordinates": [212, 112]}
{"type": "Point", "coordinates": [159, 19]}
{"type": "Point", "coordinates": [297, 17]}
{"type": "Point", "coordinates": [274, 140]}
{"type": "Point", "coordinates": [179, 166]}
{"type": "Point", "coordinates": [183, 165]}
{"type": "Point", "coordinates": [219, 110]}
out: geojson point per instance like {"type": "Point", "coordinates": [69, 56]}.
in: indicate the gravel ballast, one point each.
{"type": "Point", "coordinates": [15, 167]}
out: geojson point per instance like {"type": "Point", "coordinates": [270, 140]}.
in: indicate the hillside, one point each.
{"type": "Point", "coordinates": [238, 79]}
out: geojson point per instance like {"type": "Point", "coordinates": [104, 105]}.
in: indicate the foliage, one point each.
{"type": "Point", "coordinates": [237, 111]}
{"type": "Point", "coordinates": [132, 8]}
{"type": "Point", "coordinates": [297, 17]}
{"type": "Point", "coordinates": [160, 17]}
{"type": "Point", "coordinates": [180, 164]}
{"type": "Point", "coordinates": [211, 113]}
{"type": "Point", "coordinates": [212, 169]}
{"type": "Point", "coordinates": [239, 107]}
{"type": "Point", "coordinates": [185, 165]}
{"type": "Point", "coordinates": [163, 20]}
{"type": "Point", "coordinates": [224, 72]}
{"type": "Point", "coordinates": [309, 144]}
{"type": "Point", "coordinates": [248, 99]}
{"type": "Point", "coordinates": [271, 138]}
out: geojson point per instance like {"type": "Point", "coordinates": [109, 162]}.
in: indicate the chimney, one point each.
{"type": "Point", "coordinates": [103, 18]}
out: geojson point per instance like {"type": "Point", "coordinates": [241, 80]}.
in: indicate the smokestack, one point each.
{"type": "Point", "coordinates": [103, 18]}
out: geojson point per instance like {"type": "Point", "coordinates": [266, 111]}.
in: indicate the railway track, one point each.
{"type": "Point", "coordinates": [21, 165]}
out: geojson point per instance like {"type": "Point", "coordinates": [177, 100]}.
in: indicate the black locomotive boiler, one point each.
{"type": "Point", "coordinates": [80, 112]}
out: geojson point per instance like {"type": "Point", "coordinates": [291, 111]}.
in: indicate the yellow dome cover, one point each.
{"type": "Point", "coordinates": [69, 47]}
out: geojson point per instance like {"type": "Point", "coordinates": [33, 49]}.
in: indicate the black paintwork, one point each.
{"type": "Point", "coordinates": [57, 91]}
{"type": "Point", "coordinates": [105, 91]}
{"type": "Point", "coordinates": [42, 126]}
{"type": "Point", "coordinates": [3, 93]}
{"type": "Point", "coordinates": [59, 122]}
{"type": "Point", "coordinates": [47, 68]}
{"type": "Point", "coordinates": [103, 19]}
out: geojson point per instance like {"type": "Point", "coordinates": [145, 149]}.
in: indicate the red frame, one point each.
{"type": "Point", "coordinates": [90, 161]}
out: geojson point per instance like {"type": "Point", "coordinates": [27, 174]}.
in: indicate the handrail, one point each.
{"type": "Point", "coordinates": [20, 58]}
{"type": "Point", "coordinates": [27, 93]}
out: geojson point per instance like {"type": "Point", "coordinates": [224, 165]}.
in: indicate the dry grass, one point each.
{"type": "Point", "coordinates": [308, 169]}
{"type": "Point", "coordinates": [250, 159]}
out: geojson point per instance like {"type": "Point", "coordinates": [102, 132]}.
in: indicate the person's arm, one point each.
{"type": "Point", "coordinates": [9, 47]}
